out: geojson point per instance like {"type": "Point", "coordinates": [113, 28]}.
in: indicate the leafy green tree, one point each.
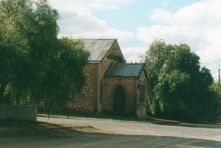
{"type": "Point", "coordinates": [178, 88]}
{"type": "Point", "coordinates": [65, 78]}
{"type": "Point", "coordinates": [156, 58]}
{"type": "Point", "coordinates": [12, 46]}
{"type": "Point", "coordinates": [35, 64]}
{"type": "Point", "coordinates": [215, 107]}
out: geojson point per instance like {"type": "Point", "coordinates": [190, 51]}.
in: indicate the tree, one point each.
{"type": "Point", "coordinates": [178, 88]}
{"type": "Point", "coordinates": [155, 60]}
{"type": "Point", "coordinates": [35, 64]}
{"type": "Point", "coordinates": [65, 78]}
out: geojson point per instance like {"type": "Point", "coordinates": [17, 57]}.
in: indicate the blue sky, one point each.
{"type": "Point", "coordinates": [131, 16]}
{"type": "Point", "coordinates": [137, 23]}
{"type": "Point", "coordinates": [134, 15]}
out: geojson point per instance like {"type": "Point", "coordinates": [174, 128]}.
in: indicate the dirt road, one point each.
{"type": "Point", "coordinates": [80, 132]}
{"type": "Point", "coordinates": [138, 128]}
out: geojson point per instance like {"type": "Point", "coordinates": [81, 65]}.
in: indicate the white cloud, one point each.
{"type": "Point", "coordinates": [198, 25]}
{"type": "Point", "coordinates": [164, 3]}
{"type": "Point", "coordinates": [94, 4]}
{"type": "Point", "coordinates": [77, 21]}
{"type": "Point", "coordinates": [161, 15]}
{"type": "Point", "coordinates": [134, 54]}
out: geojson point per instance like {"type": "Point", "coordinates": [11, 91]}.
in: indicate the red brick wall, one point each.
{"type": "Point", "coordinates": [143, 81]}
{"type": "Point", "coordinates": [129, 85]}
{"type": "Point", "coordinates": [87, 100]}
{"type": "Point", "coordinates": [141, 110]}
{"type": "Point", "coordinates": [90, 97]}
{"type": "Point", "coordinates": [90, 100]}
{"type": "Point", "coordinates": [103, 66]}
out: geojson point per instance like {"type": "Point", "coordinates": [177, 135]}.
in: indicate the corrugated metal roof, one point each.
{"type": "Point", "coordinates": [124, 70]}
{"type": "Point", "coordinates": [98, 48]}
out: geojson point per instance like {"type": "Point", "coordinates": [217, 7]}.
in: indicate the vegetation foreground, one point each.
{"type": "Point", "coordinates": [179, 88]}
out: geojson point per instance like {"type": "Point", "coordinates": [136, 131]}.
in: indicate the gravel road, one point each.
{"type": "Point", "coordinates": [79, 132]}
{"type": "Point", "coordinates": [118, 127]}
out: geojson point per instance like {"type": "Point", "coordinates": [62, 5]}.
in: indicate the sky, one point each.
{"type": "Point", "coordinates": [137, 23]}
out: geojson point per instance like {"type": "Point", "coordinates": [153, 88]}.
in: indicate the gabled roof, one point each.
{"type": "Point", "coordinates": [124, 70]}
{"type": "Point", "coordinates": [98, 48]}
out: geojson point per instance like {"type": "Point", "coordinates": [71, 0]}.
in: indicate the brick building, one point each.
{"type": "Point", "coordinates": [112, 85]}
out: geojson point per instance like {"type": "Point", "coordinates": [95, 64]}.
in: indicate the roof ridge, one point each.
{"type": "Point", "coordinates": [131, 63]}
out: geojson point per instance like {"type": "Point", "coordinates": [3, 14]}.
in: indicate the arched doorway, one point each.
{"type": "Point", "coordinates": [119, 101]}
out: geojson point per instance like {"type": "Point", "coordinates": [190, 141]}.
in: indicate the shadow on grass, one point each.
{"type": "Point", "coordinates": [15, 128]}
{"type": "Point", "coordinates": [59, 136]}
